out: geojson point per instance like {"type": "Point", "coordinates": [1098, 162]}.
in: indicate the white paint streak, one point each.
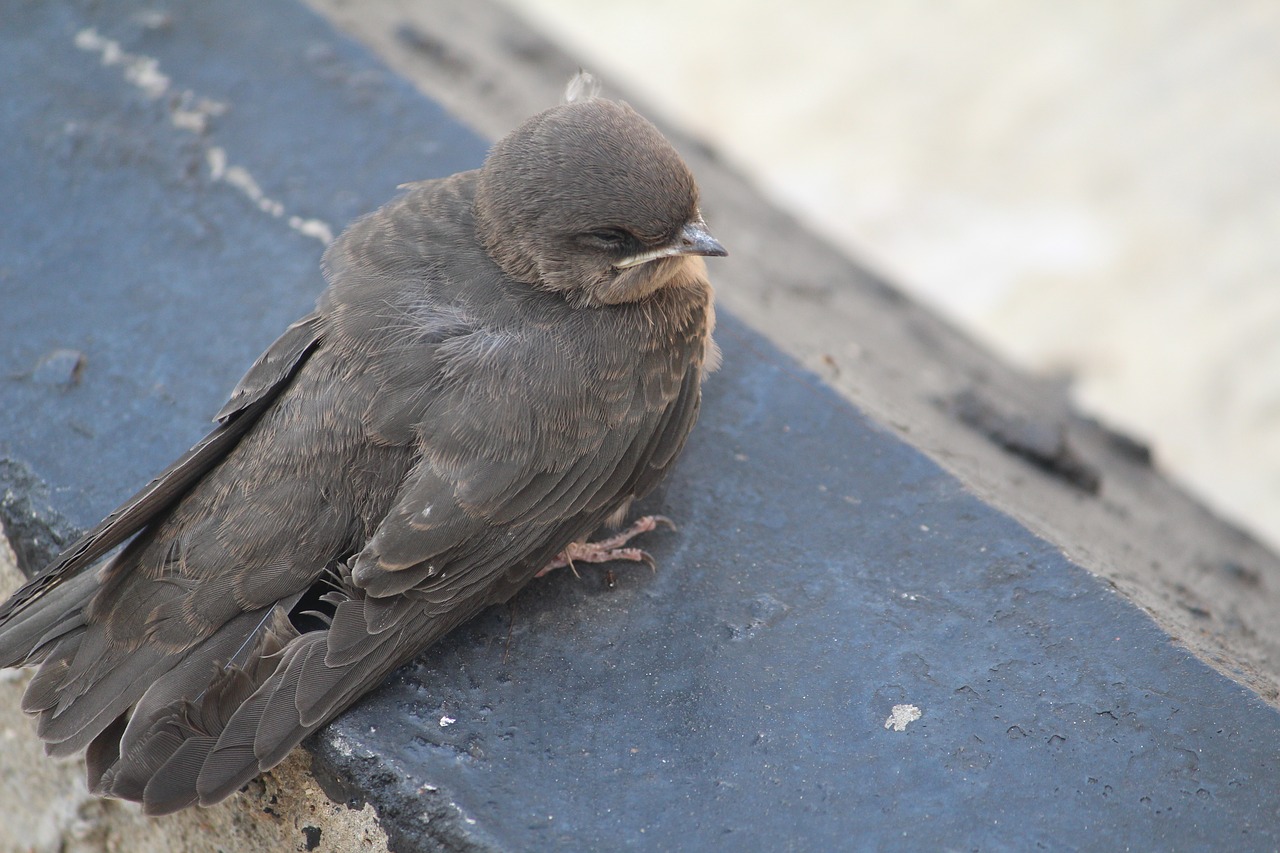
{"type": "Point", "coordinates": [901, 716]}
{"type": "Point", "coordinates": [141, 71]}
{"type": "Point", "coordinates": [192, 113]}
{"type": "Point", "coordinates": [240, 178]}
{"type": "Point", "coordinates": [217, 160]}
{"type": "Point", "coordinates": [317, 228]}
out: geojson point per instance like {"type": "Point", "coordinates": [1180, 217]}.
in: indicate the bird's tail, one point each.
{"type": "Point", "coordinates": [180, 747]}
{"type": "Point", "coordinates": [171, 728]}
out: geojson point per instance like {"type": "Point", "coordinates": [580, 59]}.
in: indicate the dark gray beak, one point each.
{"type": "Point", "coordinates": [695, 239]}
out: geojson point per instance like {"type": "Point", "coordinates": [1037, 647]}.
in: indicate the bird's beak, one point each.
{"type": "Point", "coordinates": [694, 239]}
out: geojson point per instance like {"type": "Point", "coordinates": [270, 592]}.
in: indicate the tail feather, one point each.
{"type": "Point", "coordinates": [26, 636]}
{"type": "Point", "coordinates": [76, 720]}
{"type": "Point", "coordinates": [103, 752]}
{"type": "Point", "coordinates": [171, 727]}
{"type": "Point", "coordinates": [183, 746]}
{"type": "Point", "coordinates": [269, 726]}
{"type": "Point", "coordinates": [286, 709]}
{"type": "Point", "coordinates": [195, 699]}
{"type": "Point", "coordinates": [163, 758]}
{"type": "Point", "coordinates": [169, 789]}
{"type": "Point", "coordinates": [248, 641]}
{"type": "Point", "coordinates": [42, 691]}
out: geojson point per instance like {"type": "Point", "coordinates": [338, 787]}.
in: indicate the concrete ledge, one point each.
{"type": "Point", "coordinates": [844, 641]}
{"type": "Point", "coordinates": [1210, 586]}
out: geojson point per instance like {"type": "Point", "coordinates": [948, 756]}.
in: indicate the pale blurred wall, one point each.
{"type": "Point", "coordinates": [1091, 187]}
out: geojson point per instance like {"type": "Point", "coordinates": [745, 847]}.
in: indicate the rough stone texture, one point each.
{"type": "Point", "coordinates": [844, 640]}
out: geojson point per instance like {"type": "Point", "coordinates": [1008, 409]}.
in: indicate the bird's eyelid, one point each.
{"type": "Point", "coordinates": [611, 231]}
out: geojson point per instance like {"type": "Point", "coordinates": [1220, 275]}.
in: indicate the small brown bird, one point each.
{"type": "Point", "coordinates": [503, 360]}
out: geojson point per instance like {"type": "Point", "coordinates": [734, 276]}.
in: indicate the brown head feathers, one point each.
{"type": "Point", "coordinates": [588, 198]}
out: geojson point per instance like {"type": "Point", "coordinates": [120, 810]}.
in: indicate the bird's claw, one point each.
{"type": "Point", "coordinates": [611, 549]}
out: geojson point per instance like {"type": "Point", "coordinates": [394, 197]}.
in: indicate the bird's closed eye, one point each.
{"type": "Point", "coordinates": [613, 239]}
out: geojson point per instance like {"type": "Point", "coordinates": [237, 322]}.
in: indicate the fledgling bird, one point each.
{"type": "Point", "coordinates": [502, 361]}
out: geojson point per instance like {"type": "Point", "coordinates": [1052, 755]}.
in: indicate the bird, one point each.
{"type": "Point", "coordinates": [501, 362]}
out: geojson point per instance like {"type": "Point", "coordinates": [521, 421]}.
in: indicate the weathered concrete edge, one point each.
{"type": "Point", "coordinates": [1014, 440]}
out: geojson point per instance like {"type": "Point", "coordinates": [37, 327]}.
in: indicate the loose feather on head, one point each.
{"type": "Point", "coordinates": [583, 87]}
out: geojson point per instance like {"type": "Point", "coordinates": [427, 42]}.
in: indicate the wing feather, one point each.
{"type": "Point", "coordinates": [255, 392]}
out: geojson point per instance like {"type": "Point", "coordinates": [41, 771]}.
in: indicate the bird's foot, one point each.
{"type": "Point", "coordinates": [608, 550]}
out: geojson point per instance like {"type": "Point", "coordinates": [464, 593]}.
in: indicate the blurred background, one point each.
{"type": "Point", "coordinates": [1092, 189]}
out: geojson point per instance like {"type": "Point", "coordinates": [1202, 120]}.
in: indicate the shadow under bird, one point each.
{"type": "Point", "coordinates": [502, 361]}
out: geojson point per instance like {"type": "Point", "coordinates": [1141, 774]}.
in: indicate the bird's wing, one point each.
{"type": "Point", "coordinates": [255, 392]}
{"type": "Point", "coordinates": [274, 367]}
{"type": "Point", "coordinates": [508, 469]}
{"type": "Point", "coordinates": [504, 479]}
{"type": "Point", "coordinates": [520, 442]}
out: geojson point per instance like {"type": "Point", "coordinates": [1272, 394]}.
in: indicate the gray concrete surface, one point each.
{"type": "Point", "coordinates": [842, 648]}
{"type": "Point", "coordinates": [843, 634]}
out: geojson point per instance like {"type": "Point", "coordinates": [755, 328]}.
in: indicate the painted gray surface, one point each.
{"type": "Point", "coordinates": [118, 243]}
{"type": "Point", "coordinates": [736, 699]}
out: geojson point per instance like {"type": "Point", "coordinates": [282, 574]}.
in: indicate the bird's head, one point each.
{"type": "Point", "coordinates": [590, 200]}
